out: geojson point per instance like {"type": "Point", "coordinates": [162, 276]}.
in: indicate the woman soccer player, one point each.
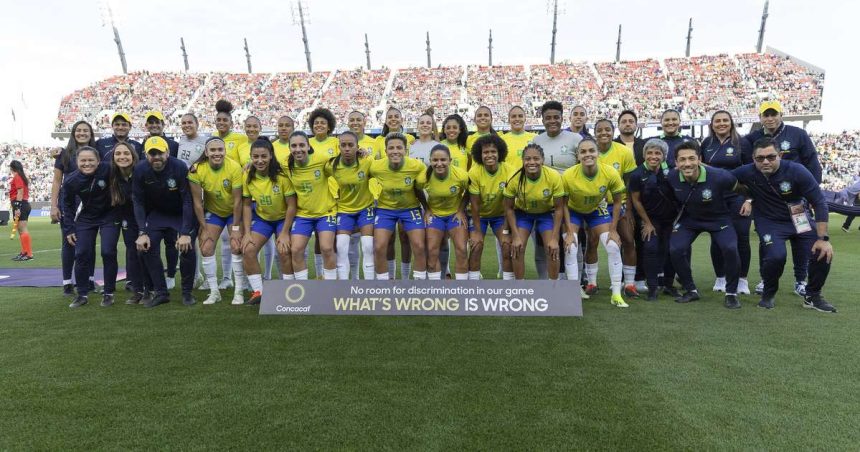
{"type": "Point", "coordinates": [455, 137]}
{"type": "Point", "coordinates": [534, 199]}
{"type": "Point", "coordinates": [241, 154]}
{"type": "Point", "coordinates": [590, 184]}
{"type": "Point", "coordinates": [268, 201]}
{"type": "Point", "coordinates": [224, 128]}
{"type": "Point", "coordinates": [64, 165]}
{"type": "Point", "coordinates": [517, 138]}
{"type": "Point", "coordinates": [19, 195]}
{"type": "Point", "coordinates": [216, 184]}
{"type": "Point", "coordinates": [400, 201]}
{"type": "Point", "coordinates": [487, 182]}
{"type": "Point", "coordinates": [354, 204]}
{"type": "Point", "coordinates": [96, 217]}
{"type": "Point", "coordinates": [483, 124]}
{"type": "Point", "coordinates": [316, 211]}
{"type": "Point", "coordinates": [191, 143]}
{"type": "Point", "coordinates": [393, 123]}
{"type": "Point", "coordinates": [123, 160]}
{"type": "Point", "coordinates": [725, 149]}
{"type": "Point", "coordinates": [446, 187]}
{"type": "Point", "coordinates": [286, 127]}
{"type": "Point", "coordinates": [427, 139]}
{"type": "Point", "coordinates": [322, 123]}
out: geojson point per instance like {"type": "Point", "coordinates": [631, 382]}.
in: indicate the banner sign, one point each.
{"type": "Point", "coordinates": [398, 297]}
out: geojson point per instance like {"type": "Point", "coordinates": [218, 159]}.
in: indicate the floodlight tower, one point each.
{"type": "Point", "coordinates": [618, 46]}
{"type": "Point", "coordinates": [301, 20]}
{"type": "Point", "coordinates": [761, 29]}
{"type": "Point", "coordinates": [689, 36]}
{"type": "Point", "coordinates": [491, 47]}
{"type": "Point", "coordinates": [184, 53]}
{"type": "Point", "coordinates": [107, 18]}
{"type": "Point", "coordinates": [555, 13]}
{"type": "Point", "coordinates": [428, 51]}
{"type": "Point", "coordinates": [367, 51]}
{"type": "Point", "coordinates": [248, 56]}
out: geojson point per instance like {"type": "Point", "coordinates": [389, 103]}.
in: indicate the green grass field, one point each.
{"type": "Point", "coordinates": [654, 376]}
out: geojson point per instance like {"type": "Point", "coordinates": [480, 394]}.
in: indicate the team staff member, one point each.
{"type": "Point", "coordinates": [670, 121]}
{"type": "Point", "coordinates": [96, 217]}
{"type": "Point", "coordinates": [701, 193]}
{"type": "Point", "coordinates": [627, 128]}
{"type": "Point", "coordinates": [191, 143]}
{"type": "Point", "coordinates": [655, 204]}
{"type": "Point", "coordinates": [794, 144]}
{"type": "Point", "coordinates": [286, 127]}
{"type": "Point", "coordinates": [782, 192]}
{"type": "Point", "coordinates": [724, 148]}
{"type": "Point", "coordinates": [268, 206]}
{"type": "Point", "coordinates": [589, 185]}
{"type": "Point", "coordinates": [121, 125]}
{"type": "Point", "coordinates": [216, 188]}
{"type": "Point", "coordinates": [487, 181]}
{"type": "Point", "coordinates": [65, 164]}
{"type": "Point", "coordinates": [446, 187]}
{"type": "Point", "coordinates": [399, 202]}
{"type": "Point", "coordinates": [19, 195]}
{"type": "Point", "coordinates": [122, 166]}
{"type": "Point", "coordinates": [534, 199]}
{"type": "Point", "coordinates": [164, 210]}
{"type": "Point", "coordinates": [578, 119]}
{"type": "Point", "coordinates": [483, 125]}
{"type": "Point", "coordinates": [517, 138]}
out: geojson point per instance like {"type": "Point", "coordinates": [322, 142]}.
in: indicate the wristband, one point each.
{"type": "Point", "coordinates": [234, 228]}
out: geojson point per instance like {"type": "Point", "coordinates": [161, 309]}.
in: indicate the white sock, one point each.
{"type": "Point", "coordinates": [475, 275]}
{"type": "Point", "coordinates": [508, 276]}
{"type": "Point", "coordinates": [342, 247]}
{"type": "Point", "coordinates": [269, 257]}
{"type": "Point", "coordinates": [382, 276]}
{"type": "Point", "coordinates": [354, 241]}
{"type": "Point", "coordinates": [67, 281]}
{"type": "Point", "coordinates": [404, 270]}
{"type": "Point", "coordinates": [367, 257]}
{"type": "Point", "coordinates": [419, 275]}
{"type": "Point", "coordinates": [540, 262]}
{"type": "Point", "coordinates": [629, 273]}
{"type": "Point", "coordinates": [392, 265]}
{"type": "Point", "coordinates": [571, 263]}
{"type": "Point", "coordinates": [289, 276]}
{"type": "Point", "coordinates": [318, 265]}
{"type": "Point", "coordinates": [210, 269]}
{"type": "Point", "coordinates": [301, 275]}
{"type": "Point", "coordinates": [226, 260]}
{"type": "Point", "coordinates": [461, 276]}
{"type": "Point", "coordinates": [330, 273]}
{"type": "Point", "coordinates": [613, 254]}
{"type": "Point", "coordinates": [238, 271]}
{"type": "Point", "coordinates": [591, 273]}
{"type": "Point", "coordinates": [498, 256]}
{"type": "Point", "coordinates": [434, 276]}
{"type": "Point", "coordinates": [256, 282]}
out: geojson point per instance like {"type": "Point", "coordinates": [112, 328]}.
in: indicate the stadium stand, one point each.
{"type": "Point", "coordinates": [357, 89]}
{"type": "Point", "coordinates": [640, 86]}
{"type": "Point", "coordinates": [245, 91]}
{"type": "Point", "coordinates": [414, 90]}
{"type": "Point", "coordinates": [711, 83]}
{"type": "Point", "coordinates": [569, 83]}
{"type": "Point", "coordinates": [289, 93]}
{"type": "Point", "coordinates": [499, 88]}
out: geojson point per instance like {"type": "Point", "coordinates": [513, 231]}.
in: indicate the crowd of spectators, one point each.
{"type": "Point", "coordinates": [710, 83]}
{"type": "Point", "coordinates": [641, 86]}
{"type": "Point", "coordinates": [798, 88]}
{"type": "Point", "coordinates": [245, 92]}
{"type": "Point", "coordinates": [571, 84]}
{"type": "Point", "coordinates": [38, 163]}
{"type": "Point", "coordinates": [414, 90]}
{"type": "Point", "coordinates": [289, 93]}
{"type": "Point", "coordinates": [498, 88]}
{"type": "Point", "coordinates": [357, 89]}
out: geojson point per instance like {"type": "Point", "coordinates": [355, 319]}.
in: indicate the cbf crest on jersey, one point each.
{"type": "Point", "coordinates": [407, 180]}
{"type": "Point", "coordinates": [453, 189]}
{"type": "Point", "coordinates": [502, 185]}
{"type": "Point", "coordinates": [171, 183]}
{"type": "Point", "coordinates": [546, 193]}
{"type": "Point", "coordinates": [665, 171]}
{"type": "Point", "coordinates": [767, 239]}
{"type": "Point", "coordinates": [617, 166]}
{"type": "Point", "coordinates": [101, 183]}
{"type": "Point", "coordinates": [603, 189]}
{"type": "Point", "coordinates": [785, 186]}
{"type": "Point", "coordinates": [330, 151]}
{"type": "Point", "coordinates": [730, 151]}
{"type": "Point", "coordinates": [317, 174]}
{"type": "Point", "coordinates": [706, 194]}
{"type": "Point", "coordinates": [361, 175]}
{"type": "Point", "coordinates": [785, 145]}
{"type": "Point", "coordinates": [563, 149]}
{"type": "Point", "coordinates": [275, 189]}
{"type": "Point", "coordinates": [226, 183]}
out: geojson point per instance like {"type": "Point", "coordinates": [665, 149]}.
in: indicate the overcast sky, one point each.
{"type": "Point", "coordinates": [53, 47]}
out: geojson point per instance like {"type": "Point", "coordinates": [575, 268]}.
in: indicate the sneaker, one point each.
{"type": "Point", "coordinates": [238, 299]}
{"type": "Point", "coordinates": [188, 300]}
{"type": "Point", "coordinates": [688, 297]}
{"type": "Point", "coordinates": [591, 289]}
{"type": "Point", "coordinates": [618, 301]}
{"type": "Point", "coordinates": [672, 291]}
{"type": "Point", "coordinates": [818, 303]}
{"type": "Point", "coordinates": [107, 300]}
{"type": "Point", "coordinates": [225, 284]}
{"type": "Point", "coordinates": [256, 296]}
{"type": "Point", "coordinates": [743, 286]}
{"type": "Point", "coordinates": [128, 287]}
{"type": "Point", "coordinates": [732, 302]}
{"type": "Point", "coordinates": [766, 303]}
{"type": "Point", "coordinates": [147, 297]}
{"type": "Point", "coordinates": [26, 257]}
{"type": "Point", "coordinates": [157, 300]}
{"type": "Point", "coordinates": [845, 229]}
{"type": "Point", "coordinates": [582, 294]}
{"type": "Point", "coordinates": [630, 291]}
{"type": "Point", "coordinates": [18, 257]}
{"type": "Point", "coordinates": [652, 295]}
{"type": "Point", "coordinates": [214, 297]}
{"type": "Point", "coordinates": [80, 300]}
{"type": "Point", "coordinates": [68, 290]}
{"type": "Point", "coordinates": [720, 285]}
{"type": "Point", "coordinates": [137, 298]}
{"type": "Point", "coordinates": [641, 286]}
{"type": "Point", "coordinates": [759, 288]}
{"type": "Point", "coordinates": [171, 282]}
{"type": "Point", "coordinates": [800, 288]}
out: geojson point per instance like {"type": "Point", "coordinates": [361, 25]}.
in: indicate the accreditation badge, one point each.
{"type": "Point", "coordinates": [800, 218]}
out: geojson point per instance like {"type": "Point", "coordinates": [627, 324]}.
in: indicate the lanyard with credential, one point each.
{"type": "Point", "coordinates": [684, 205]}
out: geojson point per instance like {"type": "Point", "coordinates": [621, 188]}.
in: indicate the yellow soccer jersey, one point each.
{"type": "Point", "coordinates": [217, 185]}
{"type": "Point", "coordinates": [397, 185]}
{"type": "Point", "coordinates": [537, 196]}
{"type": "Point", "coordinates": [242, 156]}
{"type": "Point", "coordinates": [621, 158]}
{"type": "Point", "coordinates": [232, 141]}
{"type": "Point", "coordinates": [270, 196]}
{"type": "Point", "coordinates": [328, 148]}
{"type": "Point", "coordinates": [516, 143]}
{"type": "Point", "coordinates": [282, 152]}
{"type": "Point", "coordinates": [445, 196]}
{"type": "Point", "coordinates": [314, 198]}
{"type": "Point", "coordinates": [584, 194]}
{"type": "Point", "coordinates": [490, 187]}
{"type": "Point", "coordinates": [379, 146]}
{"type": "Point", "coordinates": [367, 144]}
{"type": "Point", "coordinates": [353, 192]}
{"type": "Point", "coordinates": [459, 156]}
{"type": "Point", "coordinates": [473, 138]}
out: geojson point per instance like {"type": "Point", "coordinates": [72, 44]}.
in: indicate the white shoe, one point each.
{"type": "Point", "coordinates": [641, 286]}
{"type": "Point", "coordinates": [171, 283]}
{"type": "Point", "coordinates": [214, 297]}
{"type": "Point", "coordinates": [720, 285]}
{"type": "Point", "coordinates": [226, 283]}
{"type": "Point", "coordinates": [238, 299]}
{"type": "Point", "coordinates": [582, 294]}
{"type": "Point", "coordinates": [759, 288]}
{"type": "Point", "coordinates": [743, 286]}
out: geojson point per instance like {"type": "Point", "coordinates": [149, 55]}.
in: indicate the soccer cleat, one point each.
{"type": "Point", "coordinates": [743, 286]}
{"type": "Point", "coordinates": [225, 284]}
{"type": "Point", "coordinates": [800, 288]}
{"type": "Point", "coordinates": [214, 297]}
{"type": "Point", "coordinates": [188, 300]}
{"type": "Point", "coordinates": [137, 298]}
{"type": "Point", "coordinates": [720, 284]}
{"type": "Point", "coordinates": [759, 288]}
{"type": "Point", "coordinates": [18, 257]}
{"type": "Point", "coordinates": [582, 294]}
{"type": "Point", "coordinates": [652, 295]}
{"type": "Point", "coordinates": [766, 303]}
{"type": "Point", "coordinates": [672, 291]}
{"type": "Point", "coordinates": [80, 300]}
{"type": "Point", "coordinates": [818, 303]}
{"type": "Point", "coordinates": [68, 290]}
{"type": "Point", "coordinates": [688, 297]}
{"type": "Point", "coordinates": [732, 302]}
{"type": "Point", "coordinates": [256, 296]}
{"type": "Point", "coordinates": [26, 257]}
{"type": "Point", "coordinates": [157, 300]}
{"type": "Point", "coordinates": [107, 300]}
{"type": "Point", "coordinates": [618, 301]}
{"type": "Point", "coordinates": [238, 299]}
{"type": "Point", "coordinates": [171, 282]}
{"type": "Point", "coordinates": [591, 289]}
{"type": "Point", "coordinates": [641, 286]}
{"type": "Point", "coordinates": [630, 291]}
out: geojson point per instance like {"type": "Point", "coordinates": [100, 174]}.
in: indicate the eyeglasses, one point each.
{"type": "Point", "coordinates": [762, 158]}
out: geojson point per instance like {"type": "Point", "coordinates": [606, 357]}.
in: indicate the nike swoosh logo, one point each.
{"type": "Point", "coordinates": [723, 227]}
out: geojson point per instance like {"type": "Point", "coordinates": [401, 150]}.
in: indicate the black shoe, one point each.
{"type": "Point", "coordinates": [688, 297]}
{"type": "Point", "coordinates": [255, 299]}
{"type": "Point", "coordinates": [137, 298]}
{"type": "Point", "coordinates": [18, 257]}
{"type": "Point", "coordinates": [107, 300]}
{"type": "Point", "coordinates": [128, 287]}
{"type": "Point", "coordinates": [80, 300]}
{"type": "Point", "coordinates": [68, 290]}
{"type": "Point", "coordinates": [732, 302]}
{"type": "Point", "coordinates": [188, 300]}
{"type": "Point", "coordinates": [25, 257]}
{"type": "Point", "coordinates": [766, 303]}
{"type": "Point", "coordinates": [158, 300]}
{"type": "Point", "coordinates": [147, 297]}
{"type": "Point", "coordinates": [671, 291]}
{"type": "Point", "coordinates": [818, 303]}
{"type": "Point", "coordinates": [652, 295]}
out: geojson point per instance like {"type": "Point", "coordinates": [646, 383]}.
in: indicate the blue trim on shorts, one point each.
{"type": "Point", "coordinates": [595, 218]}
{"type": "Point", "coordinates": [446, 223]}
{"type": "Point", "coordinates": [352, 221]}
{"type": "Point", "coordinates": [217, 220]}
{"type": "Point", "coordinates": [497, 223]}
{"type": "Point", "coordinates": [540, 221]}
{"type": "Point", "coordinates": [307, 226]}
{"type": "Point", "coordinates": [410, 219]}
{"type": "Point", "coordinates": [265, 227]}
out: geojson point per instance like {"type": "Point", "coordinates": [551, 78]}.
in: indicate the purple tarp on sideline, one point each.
{"type": "Point", "coordinates": [41, 277]}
